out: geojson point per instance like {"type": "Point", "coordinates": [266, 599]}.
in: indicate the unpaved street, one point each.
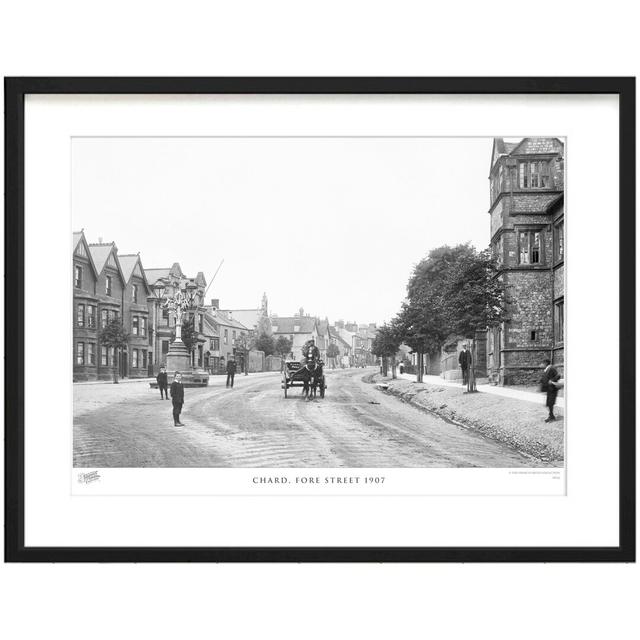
{"type": "Point", "coordinates": [253, 425]}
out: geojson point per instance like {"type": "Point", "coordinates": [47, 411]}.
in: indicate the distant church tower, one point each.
{"type": "Point", "coordinates": [265, 305]}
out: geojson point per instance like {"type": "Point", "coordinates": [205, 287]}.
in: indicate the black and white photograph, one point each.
{"type": "Point", "coordinates": [318, 302]}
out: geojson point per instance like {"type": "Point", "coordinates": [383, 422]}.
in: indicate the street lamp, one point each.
{"type": "Point", "coordinates": [159, 289]}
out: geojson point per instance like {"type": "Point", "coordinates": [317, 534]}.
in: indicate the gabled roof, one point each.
{"type": "Point", "coordinates": [248, 317]}
{"type": "Point", "coordinates": [153, 275]}
{"type": "Point", "coordinates": [537, 145]}
{"type": "Point", "coordinates": [222, 317]}
{"type": "Point", "coordinates": [81, 248]}
{"type": "Point", "coordinates": [132, 265]}
{"type": "Point", "coordinates": [106, 254]}
{"type": "Point", "coordinates": [304, 324]}
{"type": "Point", "coordinates": [501, 148]}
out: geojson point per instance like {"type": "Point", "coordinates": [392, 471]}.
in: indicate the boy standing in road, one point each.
{"type": "Point", "coordinates": [161, 379]}
{"type": "Point", "coordinates": [177, 398]}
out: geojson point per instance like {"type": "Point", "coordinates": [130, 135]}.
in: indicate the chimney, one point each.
{"type": "Point", "coordinates": [99, 239]}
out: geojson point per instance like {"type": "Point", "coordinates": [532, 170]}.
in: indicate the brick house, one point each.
{"type": "Point", "coordinates": [135, 317]}
{"type": "Point", "coordinates": [527, 239]}
{"type": "Point", "coordinates": [85, 311]}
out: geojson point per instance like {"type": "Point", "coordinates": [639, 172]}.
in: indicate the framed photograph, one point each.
{"type": "Point", "coordinates": [320, 319]}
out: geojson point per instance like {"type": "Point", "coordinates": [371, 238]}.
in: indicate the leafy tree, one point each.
{"type": "Point", "coordinates": [266, 343]}
{"type": "Point", "coordinates": [283, 346]}
{"type": "Point", "coordinates": [189, 334]}
{"type": "Point", "coordinates": [114, 336]}
{"type": "Point", "coordinates": [453, 290]}
{"type": "Point", "coordinates": [386, 344]}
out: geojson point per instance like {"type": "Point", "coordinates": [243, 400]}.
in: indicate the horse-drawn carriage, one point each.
{"type": "Point", "coordinates": [308, 374]}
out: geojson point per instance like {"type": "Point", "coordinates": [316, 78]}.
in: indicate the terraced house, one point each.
{"type": "Point", "coordinates": [528, 241]}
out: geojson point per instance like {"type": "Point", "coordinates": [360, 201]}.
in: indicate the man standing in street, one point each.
{"type": "Point", "coordinates": [464, 359]}
{"type": "Point", "coordinates": [161, 379]}
{"type": "Point", "coordinates": [231, 372]}
{"type": "Point", "coordinates": [177, 398]}
{"type": "Point", "coordinates": [549, 383]}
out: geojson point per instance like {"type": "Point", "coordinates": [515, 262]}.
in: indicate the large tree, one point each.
{"type": "Point", "coordinates": [454, 290]}
{"type": "Point", "coordinates": [113, 336]}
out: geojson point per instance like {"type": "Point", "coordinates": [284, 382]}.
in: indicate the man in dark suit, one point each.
{"type": "Point", "coordinates": [550, 377]}
{"type": "Point", "coordinates": [464, 359]}
{"type": "Point", "coordinates": [162, 381]}
{"type": "Point", "coordinates": [231, 372]}
{"type": "Point", "coordinates": [177, 398]}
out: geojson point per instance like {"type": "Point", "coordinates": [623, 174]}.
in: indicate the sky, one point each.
{"type": "Point", "coordinates": [333, 225]}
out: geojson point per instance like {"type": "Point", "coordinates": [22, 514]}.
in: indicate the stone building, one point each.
{"type": "Point", "coordinates": [163, 323]}
{"type": "Point", "coordinates": [527, 238]}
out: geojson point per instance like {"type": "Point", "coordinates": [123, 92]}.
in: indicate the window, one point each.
{"type": "Point", "coordinates": [530, 247]}
{"type": "Point", "coordinates": [226, 336]}
{"type": "Point", "coordinates": [165, 317]}
{"type": "Point", "coordinates": [114, 315]}
{"type": "Point", "coordinates": [144, 359]}
{"type": "Point", "coordinates": [77, 277]}
{"type": "Point", "coordinates": [534, 175]}
{"type": "Point", "coordinates": [143, 326]}
{"type": "Point", "coordinates": [533, 336]}
{"type": "Point", "coordinates": [558, 242]}
{"type": "Point", "coordinates": [558, 320]}
{"type": "Point", "coordinates": [80, 353]}
{"type": "Point", "coordinates": [134, 293]}
{"type": "Point", "coordinates": [103, 356]}
{"type": "Point", "coordinates": [215, 344]}
{"type": "Point", "coordinates": [112, 356]}
{"type": "Point", "coordinates": [135, 325]}
{"type": "Point", "coordinates": [80, 316]}
{"type": "Point", "coordinates": [498, 250]}
{"type": "Point", "coordinates": [108, 287]}
{"type": "Point", "coordinates": [201, 323]}
{"type": "Point", "coordinates": [165, 346]}
{"type": "Point", "coordinates": [134, 359]}
{"type": "Point", "coordinates": [91, 353]}
{"type": "Point", "coordinates": [91, 316]}
{"type": "Point", "coordinates": [104, 318]}
{"type": "Point", "coordinates": [233, 335]}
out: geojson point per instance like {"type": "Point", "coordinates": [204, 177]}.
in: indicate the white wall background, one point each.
{"type": "Point", "coordinates": [332, 38]}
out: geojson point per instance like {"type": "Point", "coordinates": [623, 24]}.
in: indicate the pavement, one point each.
{"type": "Point", "coordinates": [254, 425]}
{"type": "Point", "coordinates": [517, 419]}
{"type": "Point", "coordinates": [505, 392]}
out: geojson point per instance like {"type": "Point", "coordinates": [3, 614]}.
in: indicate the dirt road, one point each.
{"type": "Point", "coordinates": [253, 425]}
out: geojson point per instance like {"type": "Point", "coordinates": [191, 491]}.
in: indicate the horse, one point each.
{"type": "Point", "coordinates": [312, 371]}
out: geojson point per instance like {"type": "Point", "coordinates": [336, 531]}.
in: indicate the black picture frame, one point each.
{"type": "Point", "coordinates": [15, 91]}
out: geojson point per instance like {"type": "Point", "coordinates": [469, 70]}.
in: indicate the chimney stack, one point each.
{"type": "Point", "coordinates": [215, 303]}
